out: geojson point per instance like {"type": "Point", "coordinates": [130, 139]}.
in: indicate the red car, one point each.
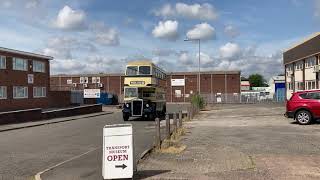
{"type": "Point", "coordinates": [304, 106]}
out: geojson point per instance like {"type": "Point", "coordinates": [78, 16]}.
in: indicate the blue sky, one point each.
{"type": "Point", "coordinates": [90, 36]}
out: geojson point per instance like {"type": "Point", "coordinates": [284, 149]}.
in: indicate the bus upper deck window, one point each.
{"type": "Point", "coordinates": [132, 70]}
{"type": "Point", "coordinates": [144, 70]}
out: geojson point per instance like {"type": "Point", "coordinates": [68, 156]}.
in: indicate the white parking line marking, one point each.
{"type": "Point", "coordinates": [38, 175]}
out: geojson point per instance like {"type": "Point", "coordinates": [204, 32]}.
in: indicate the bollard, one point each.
{"type": "Point", "coordinates": [167, 125]}
{"type": "Point", "coordinates": [158, 136]}
{"type": "Point", "coordinates": [175, 122]}
{"type": "Point", "coordinates": [180, 119]}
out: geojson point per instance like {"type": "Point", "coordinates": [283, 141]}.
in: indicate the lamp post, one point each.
{"type": "Point", "coordinates": [199, 71]}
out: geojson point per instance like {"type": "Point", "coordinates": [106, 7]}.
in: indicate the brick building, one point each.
{"type": "Point", "coordinates": [24, 80]}
{"type": "Point", "coordinates": [214, 84]}
{"type": "Point", "coordinates": [112, 83]}
{"type": "Point", "coordinates": [302, 65]}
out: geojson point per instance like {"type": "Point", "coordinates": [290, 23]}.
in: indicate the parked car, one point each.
{"type": "Point", "coordinates": [304, 106]}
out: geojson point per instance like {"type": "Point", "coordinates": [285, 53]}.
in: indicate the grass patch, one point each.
{"type": "Point", "coordinates": [176, 149]}
{"type": "Point", "coordinates": [176, 134]}
{"type": "Point", "coordinates": [172, 145]}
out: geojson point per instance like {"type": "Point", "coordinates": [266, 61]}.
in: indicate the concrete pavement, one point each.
{"type": "Point", "coordinates": [240, 142]}
{"type": "Point", "coordinates": [25, 152]}
{"type": "Point", "coordinates": [88, 166]}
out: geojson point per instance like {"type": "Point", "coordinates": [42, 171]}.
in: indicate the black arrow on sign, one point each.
{"type": "Point", "coordinates": [121, 166]}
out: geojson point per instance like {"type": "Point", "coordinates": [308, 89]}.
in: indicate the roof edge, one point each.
{"type": "Point", "coordinates": [306, 39]}
{"type": "Point", "coordinates": [26, 53]}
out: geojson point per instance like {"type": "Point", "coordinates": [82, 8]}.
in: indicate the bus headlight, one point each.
{"type": "Point", "coordinates": [147, 105]}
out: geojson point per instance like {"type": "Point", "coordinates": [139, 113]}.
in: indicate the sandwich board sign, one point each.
{"type": "Point", "coordinates": [118, 159]}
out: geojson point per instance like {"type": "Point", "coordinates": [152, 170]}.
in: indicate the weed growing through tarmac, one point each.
{"type": "Point", "coordinates": [172, 145]}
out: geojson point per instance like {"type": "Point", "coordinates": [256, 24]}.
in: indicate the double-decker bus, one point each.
{"type": "Point", "coordinates": [144, 90]}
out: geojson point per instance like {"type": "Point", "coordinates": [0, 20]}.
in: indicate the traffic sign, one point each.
{"type": "Point", "coordinates": [118, 160]}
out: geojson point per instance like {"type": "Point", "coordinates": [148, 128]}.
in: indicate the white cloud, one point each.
{"type": "Point", "coordinates": [231, 31]}
{"type": "Point", "coordinates": [63, 47]}
{"type": "Point", "coordinates": [203, 31]}
{"type": "Point", "coordinates": [66, 66]}
{"type": "Point", "coordinates": [105, 35]}
{"type": "Point", "coordinates": [166, 30]}
{"type": "Point", "coordinates": [69, 19]}
{"type": "Point", "coordinates": [191, 11]}
{"type": "Point", "coordinates": [57, 53]}
{"type": "Point", "coordinates": [205, 59]}
{"type": "Point", "coordinates": [185, 58]}
{"type": "Point", "coordinates": [197, 11]}
{"type": "Point", "coordinates": [165, 11]}
{"type": "Point", "coordinates": [128, 21]}
{"type": "Point", "coordinates": [163, 52]}
{"type": "Point", "coordinates": [6, 4]}
{"type": "Point", "coordinates": [296, 3]}
{"type": "Point", "coordinates": [108, 37]}
{"type": "Point", "coordinates": [229, 50]}
{"type": "Point", "coordinates": [65, 42]}
{"type": "Point", "coordinates": [59, 47]}
{"type": "Point", "coordinates": [93, 64]}
{"type": "Point", "coordinates": [28, 4]}
{"type": "Point", "coordinates": [234, 57]}
{"type": "Point", "coordinates": [32, 4]}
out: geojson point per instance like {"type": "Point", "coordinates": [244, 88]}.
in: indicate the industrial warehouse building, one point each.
{"type": "Point", "coordinates": [302, 65]}
{"type": "Point", "coordinates": [24, 80]}
{"type": "Point", "coordinates": [215, 86]}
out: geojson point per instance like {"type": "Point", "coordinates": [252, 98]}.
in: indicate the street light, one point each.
{"type": "Point", "coordinates": [199, 62]}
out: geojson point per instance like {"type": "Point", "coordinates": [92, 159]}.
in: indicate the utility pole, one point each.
{"type": "Point", "coordinates": [199, 70]}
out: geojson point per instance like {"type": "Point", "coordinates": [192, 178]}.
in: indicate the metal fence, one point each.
{"type": "Point", "coordinates": [77, 97]}
{"type": "Point", "coordinates": [241, 98]}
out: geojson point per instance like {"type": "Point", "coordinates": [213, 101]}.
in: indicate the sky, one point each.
{"type": "Point", "coordinates": [99, 36]}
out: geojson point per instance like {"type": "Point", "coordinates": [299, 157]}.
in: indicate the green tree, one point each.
{"type": "Point", "coordinates": [257, 80]}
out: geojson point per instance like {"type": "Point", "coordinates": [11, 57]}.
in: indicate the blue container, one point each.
{"type": "Point", "coordinates": [105, 99]}
{"type": "Point", "coordinates": [280, 92]}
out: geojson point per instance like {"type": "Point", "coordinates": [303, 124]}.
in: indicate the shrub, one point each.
{"type": "Point", "coordinates": [197, 101]}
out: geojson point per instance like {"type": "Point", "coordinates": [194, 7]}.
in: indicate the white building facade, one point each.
{"type": "Point", "coordinates": [302, 66]}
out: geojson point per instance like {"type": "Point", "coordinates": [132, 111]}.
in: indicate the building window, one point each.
{"type": "Point", "coordinates": [289, 86]}
{"type": "Point", "coordinates": [290, 67]}
{"type": "Point", "coordinates": [20, 64]}
{"type": "Point", "coordinates": [3, 92]}
{"type": "Point", "coordinates": [20, 92]}
{"type": "Point", "coordinates": [95, 80]}
{"type": "Point", "coordinates": [84, 80]}
{"type": "Point", "coordinates": [39, 92]}
{"type": "Point", "coordinates": [299, 86]}
{"type": "Point", "coordinates": [299, 66]}
{"type": "Point", "coordinates": [310, 85]}
{"type": "Point", "coordinates": [2, 62]}
{"type": "Point", "coordinates": [310, 62]}
{"type": "Point", "coordinates": [38, 66]}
